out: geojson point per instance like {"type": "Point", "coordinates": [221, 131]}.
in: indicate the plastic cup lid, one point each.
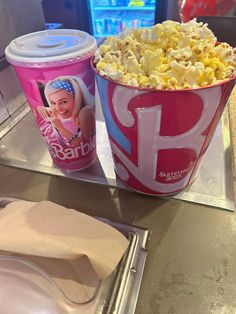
{"type": "Point", "coordinates": [50, 46]}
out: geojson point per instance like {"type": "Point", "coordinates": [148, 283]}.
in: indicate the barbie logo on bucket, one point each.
{"type": "Point", "coordinates": [158, 138]}
{"type": "Point", "coordinates": [68, 119]}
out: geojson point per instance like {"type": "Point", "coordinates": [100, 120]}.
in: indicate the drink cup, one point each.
{"type": "Point", "coordinates": [159, 137]}
{"type": "Point", "coordinates": [55, 73]}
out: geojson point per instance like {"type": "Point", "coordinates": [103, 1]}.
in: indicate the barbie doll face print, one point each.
{"type": "Point", "coordinates": [61, 97]}
{"type": "Point", "coordinates": [68, 118]}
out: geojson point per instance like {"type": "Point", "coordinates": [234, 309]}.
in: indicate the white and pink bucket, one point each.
{"type": "Point", "coordinates": [54, 70]}
{"type": "Point", "coordinates": [158, 137]}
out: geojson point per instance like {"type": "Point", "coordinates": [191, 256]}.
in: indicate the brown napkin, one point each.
{"type": "Point", "coordinates": [72, 247]}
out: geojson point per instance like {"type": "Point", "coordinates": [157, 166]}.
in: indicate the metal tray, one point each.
{"type": "Point", "coordinates": [22, 146]}
{"type": "Point", "coordinates": [118, 294]}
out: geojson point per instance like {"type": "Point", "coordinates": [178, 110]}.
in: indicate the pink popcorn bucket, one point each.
{"type": "Point", "coordinates": [158, 137]}
{"type": "Point", "coordinates": [55, 73]}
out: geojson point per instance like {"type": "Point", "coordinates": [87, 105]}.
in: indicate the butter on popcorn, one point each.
{"type": "Point", "coordinates": [170, 55]}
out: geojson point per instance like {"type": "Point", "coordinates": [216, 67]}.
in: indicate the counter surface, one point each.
{"type": "Point", "coordinates": [191, 263]}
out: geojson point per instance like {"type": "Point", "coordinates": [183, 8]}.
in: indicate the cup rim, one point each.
{"type": "Point", "coordinates": [149, 89]}
{"type": "Point", "coordinates": [46, 58]}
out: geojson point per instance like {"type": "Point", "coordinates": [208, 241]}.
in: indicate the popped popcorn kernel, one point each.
{"type": "Point", "coordinates": [143, 81]}
{"type": "Point", "coordinates": [170, 55]}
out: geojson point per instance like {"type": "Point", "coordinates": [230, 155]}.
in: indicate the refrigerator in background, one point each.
{"type": "Point", "coordinates": [106, 17]}
{"type": "Point", "coordinates": [110, 17]}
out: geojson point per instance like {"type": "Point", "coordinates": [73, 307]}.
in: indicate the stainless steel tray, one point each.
{"type": "Point", "coordinates": [118, 294]}
{"type": "Point", "coordinates": [22, 146]}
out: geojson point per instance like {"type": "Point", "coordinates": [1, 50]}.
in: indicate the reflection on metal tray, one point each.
{"type": "Point", "coordinates": [119, 293]}
{"type": "Point", "coordinates": [23, 147]}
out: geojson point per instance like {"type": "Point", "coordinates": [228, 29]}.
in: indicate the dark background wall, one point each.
{"type": "Point", "coordinates": [71, 13]}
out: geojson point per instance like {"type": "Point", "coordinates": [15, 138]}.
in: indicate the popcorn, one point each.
{"type": "Point", "coordinates": [170, 55]}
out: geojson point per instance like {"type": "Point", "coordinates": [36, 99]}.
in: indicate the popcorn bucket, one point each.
{"type": "Point", "coordinates": [55, 73]}
{"type": "Point", "coordinates": [158, 137]}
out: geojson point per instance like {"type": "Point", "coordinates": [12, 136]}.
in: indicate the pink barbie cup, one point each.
{"type": "Point", "coordinates": [54, 70]}
{"type": "Point", "coordinates": [158, 137]}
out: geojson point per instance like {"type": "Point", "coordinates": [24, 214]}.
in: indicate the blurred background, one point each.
{"type": "Point", "coordinates": [108, 17]}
